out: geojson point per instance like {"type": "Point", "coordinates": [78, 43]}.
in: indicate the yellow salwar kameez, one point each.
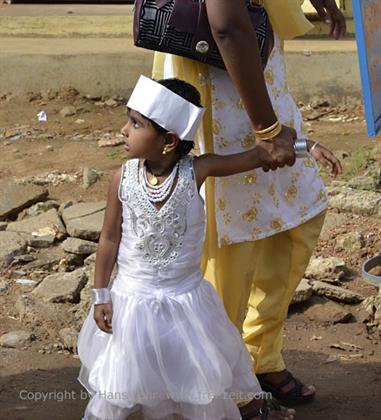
{"type": "Point", "coordinates": [261, 228]}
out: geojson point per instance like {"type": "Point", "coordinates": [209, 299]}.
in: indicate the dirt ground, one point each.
{"type": "Point", "coordinates": [348, 379]}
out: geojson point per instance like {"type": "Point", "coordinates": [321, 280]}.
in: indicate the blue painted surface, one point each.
{"type": "Point", "coordinates": [367, 16]}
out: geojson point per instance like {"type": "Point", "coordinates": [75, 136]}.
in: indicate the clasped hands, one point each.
{"type": "Point", "coordinates": [279, 152]}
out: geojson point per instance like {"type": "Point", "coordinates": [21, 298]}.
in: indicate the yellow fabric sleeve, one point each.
{"type": "Point", "coordinates": [287, 18]}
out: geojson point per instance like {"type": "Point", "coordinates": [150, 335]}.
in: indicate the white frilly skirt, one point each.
{"type": "Point", "coordinates": [170, 356]}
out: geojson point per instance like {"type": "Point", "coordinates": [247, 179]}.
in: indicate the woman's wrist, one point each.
{"type": "Point", "coordinates": [269, 132]}
{"type": "Point", "coordinates": [100, 296]}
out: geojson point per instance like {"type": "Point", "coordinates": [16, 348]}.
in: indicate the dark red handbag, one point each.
{"type": "Point", "coordinates": [181, 27]}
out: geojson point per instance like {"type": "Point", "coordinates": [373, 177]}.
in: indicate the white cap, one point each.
{"type": "Point", "coordinates": [167, 109]}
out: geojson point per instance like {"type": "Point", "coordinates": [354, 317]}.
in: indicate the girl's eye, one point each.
{"type": "Point", "coordinates": [135, 124]}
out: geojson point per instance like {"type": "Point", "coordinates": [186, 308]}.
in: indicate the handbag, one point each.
{"type": "Point", "coordinates": [181, 27]}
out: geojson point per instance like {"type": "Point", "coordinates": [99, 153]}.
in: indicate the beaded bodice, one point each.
{"type": "Point", "coordinates": [160, 239]}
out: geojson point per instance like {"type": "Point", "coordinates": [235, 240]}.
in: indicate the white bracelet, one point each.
{"type": "Point", "coordinates": [316, 144]}
{"type": "Point", "coordinates": [300, 148]}
{"type": "Point", "coordinates": [100, 296]}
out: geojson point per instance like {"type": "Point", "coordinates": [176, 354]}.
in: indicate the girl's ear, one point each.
{"type": "Point", "coordinates": [171, 141]}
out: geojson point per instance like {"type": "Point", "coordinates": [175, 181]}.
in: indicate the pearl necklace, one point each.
{"type": "Point", "coordinates": [157, 193]}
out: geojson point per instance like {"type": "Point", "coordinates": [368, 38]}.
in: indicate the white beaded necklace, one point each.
{"type": "Point", "coordinates": [157, 193]}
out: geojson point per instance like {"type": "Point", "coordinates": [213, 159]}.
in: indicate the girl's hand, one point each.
{"type": "Point", "coordinates": [103, 317]}
{"type": "Point", "coordinates": [326, 158]}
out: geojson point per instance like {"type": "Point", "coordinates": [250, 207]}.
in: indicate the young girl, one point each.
{"type": "Point", "coordinates": [157, 338]}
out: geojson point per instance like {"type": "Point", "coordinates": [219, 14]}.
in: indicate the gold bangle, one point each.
{"type": "Point", "coordinates": [268, 129]}
{"type": "Point", "coordinates": [270, 135]}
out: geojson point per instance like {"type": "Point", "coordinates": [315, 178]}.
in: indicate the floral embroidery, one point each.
{"type": "Point", "coordinates": [292, 193]}
{"type": "Point", "coordinates": [277, 224]}
{"type": "Point", "coordinates": [250, 215]}
{"type": "Point", "coordinates": [221, 204]}
{"type": "Point", "coordinates": [250, 179]}
{"type": "Point", "coordinates": [249, 141]}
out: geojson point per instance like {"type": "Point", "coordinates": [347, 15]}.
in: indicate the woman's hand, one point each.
{"type": "Point", "coordinates": [326, 158]}
{"type": "Point", "coordinates": [279, 151]}
{"type": "Point", "coordinates": [330, 14]}
{"type": "Point", "coordinates": [103, 317]}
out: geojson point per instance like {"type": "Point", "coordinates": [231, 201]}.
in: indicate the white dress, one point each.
{"type": "Point", "coordinates": [173, 354]}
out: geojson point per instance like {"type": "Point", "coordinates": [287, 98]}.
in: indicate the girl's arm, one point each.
{"type": "Point", "coordinates": [110, 236]}
{"type": "Point", "coordinates": [219, 165]}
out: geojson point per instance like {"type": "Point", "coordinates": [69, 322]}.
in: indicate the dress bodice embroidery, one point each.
{"type": "Point", "coordinates": [158, 233]}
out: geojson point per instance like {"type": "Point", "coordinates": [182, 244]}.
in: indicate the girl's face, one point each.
{"type": "Point", "coordinates": [141, 139]}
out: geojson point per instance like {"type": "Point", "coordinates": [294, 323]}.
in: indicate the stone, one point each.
{"type": "Point", "coordinates": [372, 306]}
{"type": "Point", "coordinates": [85, 220]}
{"type": "Point", "coordinates": [69, 337]}
{"type": "Point", "coordinates": [90, 259]}
{"type": "Point", "coordinates": [111, 142]}
{"type": "Point", "coordinates": [64, 206]}
{"type": "Point", "coordinates": [26, 282]}
{"type": "Point", "coordinates": [3, 226]}
{"type": "Point", "coordinates": [48, 317]}
{"type": "Point", "coordinates": [11, 244]}
{"type": "Point", "coordinates": [46, 223]}
{"type": "Point", "coordinates": [4, 286]}
{"type": "Point", "coordinates": [79, 246]}
{"type": "Point", "coordinates": [366, 183]}
{"type": "Point", "coordinates": [325, 311]}
{"type": "Point", "coordinates": [365, 203]}
{"type": "Point", "coordinates": [351, 241]}
{"type": "Point", "coordinates": [15, 198]}
{"type": "Point", "coordinates": [111, 103]}
{"type": "Point", "coordinates": [68, 111]}
{"type": "Point", "coordinates": [38, 209]}
{"type": "Point", "coordinates": [54, 178]}
{"type": "Point", "coordinates": [332, 220]}
{"type": "Point", "coordinates": [43, 239]}
{"type": "Point", "coordinates": [336, 293]}
{"type": "Point", "coordinates": [61, 287]}
{"type": "Point", "coordinates": [16, 339]}
{"type": "Point", "coordinates": [321, 268]}
{"type": "Point", "coordinates": [303, 292]}
{"type": "Point", "coordinates": [90, 177]}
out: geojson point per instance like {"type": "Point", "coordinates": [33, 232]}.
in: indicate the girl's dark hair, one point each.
{"type": "Point", "coordinates": [192, 95]}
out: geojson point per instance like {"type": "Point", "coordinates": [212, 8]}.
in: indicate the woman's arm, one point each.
{"type": "Point", "coordinates": [236, 39]}
{"type": "Point", "coordinates": [110, 236]}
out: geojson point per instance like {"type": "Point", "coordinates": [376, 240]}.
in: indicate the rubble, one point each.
{"type": "Point", "coordinates": [54, 178]}
{"type": "Point", "coordinates": [47, 224]}
{"type": "Point", "coordinates": [84, 220]}
{"type": "Point", "coordinates": [357, 202]}
{"type": "Point", "coordinates": [90, 177]}
{"type": "Point", "coordinates": [16, 339]}
{"type": "Point", "coordinates": [330, 269]}
{"type": "Point", "coordinates": [303, 292]}
{"type": "Point", "coordinates": [336, 293]}
{"type": "Point", "coordinates": [15, 198]}
{"type": "Point", "coordinates": [61, 287]}
{"type": "Point", "coordinates": [11, 244]}
{"type": "Point", "coordinates": [351, 241]}
{"type": "Point", "coordinates": [79, 246]}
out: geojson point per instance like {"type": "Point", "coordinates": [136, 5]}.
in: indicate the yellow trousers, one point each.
{"type": "Point", "coordinates": [256, 282]}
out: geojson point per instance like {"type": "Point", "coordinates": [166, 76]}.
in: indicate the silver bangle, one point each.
{"type": "Point", "coordinates": [100, 296]}
{"type": "Point", "coordinates": [314, 146]}
{"type": "Point", "coordinates": [300, 148]}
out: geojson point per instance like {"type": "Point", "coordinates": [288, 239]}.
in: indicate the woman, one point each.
{"type": "Point", "coordinates": [263, 227]}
